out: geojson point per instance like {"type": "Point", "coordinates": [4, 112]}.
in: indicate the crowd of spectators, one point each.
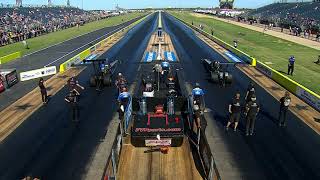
{"type": "Point", "coordinates": [19, 24]}
{"type": "Point", "coordinates": [300, 18]}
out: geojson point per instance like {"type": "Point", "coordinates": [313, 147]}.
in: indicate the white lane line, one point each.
{"type": "Point", "coordinates": [82, 46]}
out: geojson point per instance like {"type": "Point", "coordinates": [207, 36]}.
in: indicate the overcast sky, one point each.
{"type": "Point", "coordinates": [110, 4]}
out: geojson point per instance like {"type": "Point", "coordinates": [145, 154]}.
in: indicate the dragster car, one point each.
{"type": "Point", "coordinates": [102, 72]}
{"type": "Point", "coordinates": [218, 71]}
{"type": "Point", "coordinates": [158, 113]}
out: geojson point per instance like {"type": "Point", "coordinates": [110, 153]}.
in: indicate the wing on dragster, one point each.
{"type": "Point", "coordinates": [208, 61]}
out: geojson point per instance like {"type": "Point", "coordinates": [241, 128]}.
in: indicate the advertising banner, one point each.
{"type": "Point", "coordinates": [47, 71]}
{"type": "Point", "coordinates": [156, 142]}
{"type": "Point", "coordinates": [265, 70]}
{"type": "Point", "coordinates": [73, 61]}
{"type": "Point", "coordinates": [312, 100]}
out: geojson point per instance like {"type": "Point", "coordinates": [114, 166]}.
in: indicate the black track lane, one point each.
{"type": "Point", "coordinates": [48, 145]}
{"type": "Point", "coordinates": [273, 152]}
{"type": "Point", "coordinates": [43, 57]}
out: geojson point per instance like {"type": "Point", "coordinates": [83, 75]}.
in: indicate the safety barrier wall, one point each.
{"type": "Point", "coordinates": [111, 168]}
{"type": "Point", "coordinates": [81, 56]}
{"type": "Point", "coordinates": [203, 148]}
{"type": "Point", "coordinates": [247, 58]}
{"type": "Point", "coordinates": [10, 57]}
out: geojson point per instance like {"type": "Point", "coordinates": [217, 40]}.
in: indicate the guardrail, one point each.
{"type": "Point", "coordinates": [10, 57]}
{"type": "Point", "coordinates": [114, 157]}
{"type": "Point", "coordinates": [299, 90]}
{"type": "Point", "coordinates": [203, 148]}
{"type": "Point", "coordinates": [77, 59]}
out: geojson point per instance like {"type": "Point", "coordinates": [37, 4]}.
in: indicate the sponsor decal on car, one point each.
{"type": "Point", "coordinates": [156, 142]}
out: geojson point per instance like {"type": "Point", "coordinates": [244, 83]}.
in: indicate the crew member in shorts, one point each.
{"type": "Point", "coordinates": [235, 112]}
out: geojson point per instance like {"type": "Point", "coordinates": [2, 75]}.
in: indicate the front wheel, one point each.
{"type": "Point", "coordinates": [107, 81]}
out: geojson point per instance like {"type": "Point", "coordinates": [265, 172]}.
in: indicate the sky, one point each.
{"type": "Point", "coordinates": [110, 4]}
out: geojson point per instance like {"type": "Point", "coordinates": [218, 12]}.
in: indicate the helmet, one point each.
{"type": "Point", "coordinates": [197, 85]}
{"type": "Point", "coordinates": [253, 98]}
{"type": "Point", "coordinates": [119, 74]}
{"type": "Point", "coordinates": [251, 86]}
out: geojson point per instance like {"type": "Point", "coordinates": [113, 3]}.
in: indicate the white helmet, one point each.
{"type": "Point", "coordinates": [119, 74]}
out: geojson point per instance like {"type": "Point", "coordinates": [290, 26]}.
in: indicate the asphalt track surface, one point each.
{"type": "Point", "coordinates": [48, 145]}
{"type": "Point", "coordinates": [54, 55]}
{"type": "Point", "coordinates": [273, 152]}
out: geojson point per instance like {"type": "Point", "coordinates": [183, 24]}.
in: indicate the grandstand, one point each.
{"type": "Point", "coordinates": [20, 23]}
{"type": "Point", "coordinates": [226, 4]}
{"type": "Point", "coordinates": [304, 15]}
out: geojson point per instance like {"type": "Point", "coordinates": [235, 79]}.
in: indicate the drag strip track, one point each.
{"type": "Point", "coordinates": [273, 152]}
{"type": "Point", "coordinates": [48, 145]}
{"type": "Point", "coordinates": [52, 56]}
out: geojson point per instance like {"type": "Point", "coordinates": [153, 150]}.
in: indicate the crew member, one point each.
{"type": "Point", "coordinates": [120, 81]}
{"type": "Point", "coordinates": [99, 78]}
{"type": "Point", "coordinates": [250, 92]}
{"type": "Point", "coordinates": [72, 99]}
{"type": "Point", "coordinates": [73, 84]}
{"type": "Point", "coordinates": [284, 105]}
{"type": "Point", "coordinates": [234, 110]}
{"type": "Point", "coordinates": [291, 65]}
{"type": "Point", "coordinates": [216, 66]}
{"type": "Point", "coordinates": [252, 109]}
{"type": "Point", "coordinates": [197, 92]}
{"type": "Point", "coordinates": [123, 100]}
{"type": "Point", "coordinates": [43, 91]}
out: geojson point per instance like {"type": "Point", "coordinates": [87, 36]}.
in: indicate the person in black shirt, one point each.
{"type": "Point", "coordinates": [234, 110]}
{"type": "Point", "coordinates": [43, 91]}
{"type": "Point", "coordinates": [250, 92]}
{"type": "Point", "coordinates": [72, 99]}
{"type": "Point", "coordinates": [252, 109]}
{"type": "Point", "coordinates": [73, 84]}
{"type": "Point", "coordinates": [284, 105]}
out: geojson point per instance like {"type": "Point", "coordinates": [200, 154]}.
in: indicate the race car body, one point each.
{"type": "Point", "coordinates": [158, 118]}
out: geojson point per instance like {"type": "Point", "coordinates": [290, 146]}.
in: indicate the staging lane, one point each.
{"type": "Point", "coordinates": [47, 145]}
{"type": "Point", "coordinates": [274, 153]}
